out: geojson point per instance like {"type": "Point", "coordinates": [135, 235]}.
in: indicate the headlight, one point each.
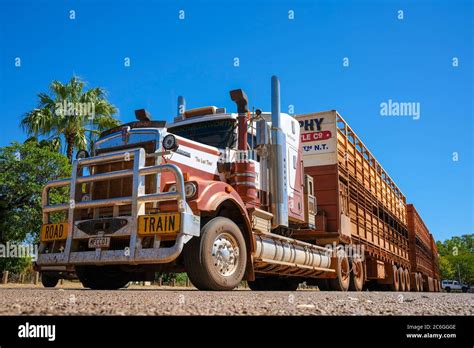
{"type": "Point", "coordinates": [190, 189]}
{"type": "Point", "coordinates": [170, 143]}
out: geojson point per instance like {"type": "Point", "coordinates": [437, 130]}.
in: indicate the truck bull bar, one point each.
{"type": "Point", "coordinates": [189, 223]}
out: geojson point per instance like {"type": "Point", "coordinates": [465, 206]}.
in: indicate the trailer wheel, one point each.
{"type": "Point", "coordinates": [357, 275]}
{"type": "Point", "coordinates": [273, 284]}
{"type": "Point", "coordinates": [217, 259]}
{"type": "Point", "coordinates": [49, 280]}
{"type": "Point", "coordinates": [415, 283]}
{"type": "Point", "coordinates": [407, 280]}
{"type": "Point", "coordinates": [395, 285]}
{"type": "Point", "coordinates": [401, 275]}
{"type": "Point", "coordinates": [420, 278]}
{"type": "Point", "coordinates": [102, 277]}
{"type": "Point", "coordinates": [342, 280]}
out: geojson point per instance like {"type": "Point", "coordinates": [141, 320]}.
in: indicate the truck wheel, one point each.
{"type": "Point", "coordinates": [395, 285]}
{"type": "Point", "coordinates": [357, 275]}
{"type": "Point", "coordinates": [49, 280]}
{"type": "Point", "coordinates": [401, 275]}
{"type": "Point", "coordinates": [448, 289]}
{"type": "Point", "coordinates": [342, 280]}
{"type": "Point", "coordinates": [273, 284]}
{"type": "Point", "coordinates": [415, 282]}
{"type": "Point", "coordinates": [407, 280]}
{"type": "Point", "coordinates": [420, 282]}
{"type": "Point", "coordinates": [102, 277]}
{"type": "Point", "coordinates": [216, 260]}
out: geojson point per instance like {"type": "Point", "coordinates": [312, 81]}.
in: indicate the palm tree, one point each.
{"type": "Point", "coordinates": [72, 114]}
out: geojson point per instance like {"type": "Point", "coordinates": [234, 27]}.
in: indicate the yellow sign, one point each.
{"type": "Point", "coordinates": [165, 223]}
{"type": "Point", "coordinates": [54, 231]}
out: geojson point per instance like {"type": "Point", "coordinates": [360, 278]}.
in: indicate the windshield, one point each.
{"type": "Point", "coordinates": [218, 133]}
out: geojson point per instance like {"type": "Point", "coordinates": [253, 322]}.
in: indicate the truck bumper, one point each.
{"type": "Point", "coordinates": [134, 253]}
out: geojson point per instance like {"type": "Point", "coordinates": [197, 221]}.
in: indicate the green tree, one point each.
{"type": "Point", "coordinates": [457, 258]}
{"type": "Point", "coordinates": [446, 269]}
{"type": "Point", "coordinates": [71, 114]}
{"type": "Point", "coordinates": [24, 170]}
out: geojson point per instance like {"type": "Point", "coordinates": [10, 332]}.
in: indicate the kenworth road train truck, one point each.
{"type": "Point", "coordinates": [259, 196]}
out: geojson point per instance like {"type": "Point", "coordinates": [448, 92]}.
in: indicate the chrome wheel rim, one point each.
{"type": "Point", "coordinates": [225, 254]}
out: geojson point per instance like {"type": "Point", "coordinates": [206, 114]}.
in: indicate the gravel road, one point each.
{"type": "Point", "coordinates": [138, 300]}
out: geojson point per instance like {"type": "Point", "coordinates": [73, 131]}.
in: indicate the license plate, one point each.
{"type": "Point", "coordinates": [165, 223]}
{"type": "Point", "coordinates": [99, 242]}
{"type": "Point", "coordinates": [51, 232]}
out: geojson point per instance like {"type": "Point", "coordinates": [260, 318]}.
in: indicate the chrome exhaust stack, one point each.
{"type": "Point", "coordinates": [181, 106]}
{"type": "Point", "coordinates": [278, 172]}
{"type": "Point", "coordinates": [180, 109]}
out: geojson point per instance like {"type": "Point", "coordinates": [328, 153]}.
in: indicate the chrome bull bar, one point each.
{"type": "Point", "coordinates": [189, 227]}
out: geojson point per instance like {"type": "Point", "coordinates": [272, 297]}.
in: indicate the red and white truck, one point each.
{"type": "Point", "coordinates": [265, 197]}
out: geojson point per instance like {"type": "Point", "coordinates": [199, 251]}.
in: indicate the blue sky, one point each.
{"type": "Point", "coordinates": [408, 60]}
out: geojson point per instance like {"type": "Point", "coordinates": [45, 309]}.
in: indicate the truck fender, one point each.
{"type": "Point", "coordinates": [212, 195]}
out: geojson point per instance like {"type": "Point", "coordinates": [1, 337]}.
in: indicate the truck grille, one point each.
{"type": "Point", "coordinates": [106, 225]}
{"type": "Point", "coordinates": [119, 187]}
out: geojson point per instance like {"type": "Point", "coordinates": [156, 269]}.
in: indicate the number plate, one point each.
{"type": "Point", "coordinates": [165, 223]}
{"type": "Point", "coordinates": [51, 232]}
{"type": "Point", "coordinates": [99, 242]}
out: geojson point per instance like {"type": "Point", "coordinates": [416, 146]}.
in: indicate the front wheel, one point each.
{"type": "Point", "coordinates": [216, 260]}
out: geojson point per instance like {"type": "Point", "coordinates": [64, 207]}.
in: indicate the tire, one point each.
{"type": "Point", "coordinates": [401, 275]}
{"type": "Point", "coordinates": [342, 280]}
{"type": "Point", "coordinates": [420, 282]}
{"type": "Point", "coordinates": [464, 289]}
{"type": "Point", "coordinates": [417, 283]}
{"type": "Point", "coordinates": [407, 280]}
{"type": "Point", "coordinates": [49, 280]}
{"type": "Point", "coordinates": [273, 284]}
{"type": "Point", "coordinates": [207, 259]}
{"type": "Point", "coordinates": [395, 285]}
{"type": "Point", "coordinates": [448, 289]}
{"type": "Point", "coordinates": [102, 277]}
{"type": "Point", "coordinates": [357, 278]}
{"type": "Point", "coordinates": [414, 282]}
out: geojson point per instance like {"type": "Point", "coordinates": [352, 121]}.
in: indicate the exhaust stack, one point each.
{"type": "Point", "coordinates": [239, 97]}
{"type": "Point", "coordinates": [181, 106]}
{"type": "Point", "coordinates": [278, 172]}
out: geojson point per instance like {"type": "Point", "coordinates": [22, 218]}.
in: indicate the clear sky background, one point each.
{"type": "Point", "coordinates": [409, 60]}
